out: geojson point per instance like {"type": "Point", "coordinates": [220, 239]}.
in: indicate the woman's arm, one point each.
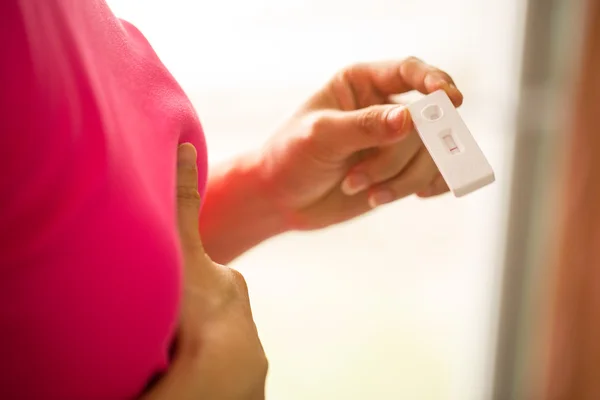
{"type": "Point", "coordinates": [344, 152]}
{"type": "Point", "coordinates": [237, 213]}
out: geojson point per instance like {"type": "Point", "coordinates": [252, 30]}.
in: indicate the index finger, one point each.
{"type": "Point", "coordinates": [396, 77]}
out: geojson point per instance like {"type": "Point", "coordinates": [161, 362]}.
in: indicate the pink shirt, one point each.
{"type": "Point", "coordinates": [90, 266]}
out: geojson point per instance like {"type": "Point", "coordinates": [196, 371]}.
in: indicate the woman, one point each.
{"type": "Point", "coordinates": [93, 298]}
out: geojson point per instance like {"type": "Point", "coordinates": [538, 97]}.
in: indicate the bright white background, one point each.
{"type": "Point", "coordinates": [401, 303]}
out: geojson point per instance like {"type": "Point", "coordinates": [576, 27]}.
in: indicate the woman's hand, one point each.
{"type": "Point", "coordinates": [218, 352]}
{"type": "Point", "coordinates": [349, 148]}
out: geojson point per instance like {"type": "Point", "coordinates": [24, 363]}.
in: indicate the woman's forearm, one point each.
{"type": "Point", "coordinates": [236, 214]}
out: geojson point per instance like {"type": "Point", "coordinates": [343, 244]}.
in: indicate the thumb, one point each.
{"type": "Point", "coordinates": [188, 198]}
{"type": "Point", "coordinates": [373, 126]}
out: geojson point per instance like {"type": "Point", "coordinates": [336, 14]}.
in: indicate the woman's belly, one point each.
{"type": "Point", "coordinates": [94, 313]}
{"type": "Point", "coordinates": [89, 297]}
{"type": "Point", "coordinates": [90, 288]}
{"type": "Point", "coordinates": [90, 268]}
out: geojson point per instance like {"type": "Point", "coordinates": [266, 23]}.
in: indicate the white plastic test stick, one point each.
{"type": "Point", "coordinates": [452, 147]}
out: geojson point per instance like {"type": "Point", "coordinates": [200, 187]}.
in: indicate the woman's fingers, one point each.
{"type": "Point", "coordinates": [382, 165]}
{"type": "Point", "coordinates": [387, 78]}
{"type": "Point", "coordinates": [415, 178]}
{"type": "Point", "coordinates": [340, 134]}
{"type": "Point", "coordinates": [437, 187]}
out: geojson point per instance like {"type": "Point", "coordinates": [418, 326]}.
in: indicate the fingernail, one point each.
{"type": "Point", "coordinates": [186, 155]}
{"type": "Point", "coordinates": [380, 198]}
{"type": "Point", "coordinates": [451, 88]}
{"type": "Point", "coordinates": [435, 81]}
{"type": "Point", "coordinates": [354, 183]}
{"type": "Point", "coordinates": [396, 119]}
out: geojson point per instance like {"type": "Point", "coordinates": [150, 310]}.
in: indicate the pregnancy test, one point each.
{"type": "Point", "coordinates": [450, 143]}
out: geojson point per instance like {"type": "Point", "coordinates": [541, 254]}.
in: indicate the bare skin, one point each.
{"type": "Point", "coordinates": [219, 354]}
{"type": "Point", "coordinates": [348, 149]}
